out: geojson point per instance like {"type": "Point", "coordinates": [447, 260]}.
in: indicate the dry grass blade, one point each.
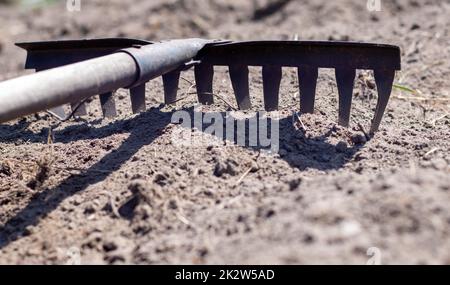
{"type": "Point", "coordinates": [405, 88]}
{"type": "Point", "coordinates": [433, 122]}
{"type": "Point", "coordinates": [432, 151]}
{"type": "Point", "coordinates": [243, 176]}
{"type": "Point", "coordinates": [300, 120]}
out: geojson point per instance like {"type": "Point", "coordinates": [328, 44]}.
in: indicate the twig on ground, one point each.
{"type": "Point", "coordinates": [243, 176]}
{"type": "Point", "coordinates": [185, 220]}
{"type": "Point", "coordinates": [189, 93]}
{"type": "Point", "coordinates": [434, 121]}
{"type": "Point", "coordinates": [186, 94]}
{"type": "Point", "coordinates": [422, 99]}
{"type": "Point", "coordinates": [68, 117]}
{"type": "Point", "coordinates": [219, 97]}
{"type": "Point", "coordinates": [231, 201]}
{"type": "Point", "coordinates": [187, 80]}
{"type": "Point", "coordinates": [83, 170]}
{"type": "Point", "coordinates": [301, 122]}
{"type": "Point", "coordinates": [432, 151]}
{"type": "Point", "coordinates": [113, 206]}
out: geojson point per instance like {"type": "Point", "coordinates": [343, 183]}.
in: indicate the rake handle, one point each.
{"type": "Point", "coordinates": [47, 89]}
{"type": "Point", "coordinates": [76, 82]}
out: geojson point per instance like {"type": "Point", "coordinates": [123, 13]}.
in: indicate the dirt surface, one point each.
{"type": "Point", "coordinates": [120, 191]}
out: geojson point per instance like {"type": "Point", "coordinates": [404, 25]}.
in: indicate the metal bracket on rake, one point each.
{"type": "Point", "coordinates": [308, 57]}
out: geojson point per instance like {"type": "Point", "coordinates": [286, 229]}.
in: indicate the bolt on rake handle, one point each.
{"type": "Point", "coordinates": [75, 82]}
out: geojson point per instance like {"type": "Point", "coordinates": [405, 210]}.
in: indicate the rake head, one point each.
{"type": "Point", "coordinates": [308, 57]}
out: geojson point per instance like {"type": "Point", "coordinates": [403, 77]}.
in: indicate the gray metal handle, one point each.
{"type": "Point", "coordinates": [75, 82]}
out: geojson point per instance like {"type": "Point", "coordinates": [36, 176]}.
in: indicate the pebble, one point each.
{"type": "Point", "coordinates": [295, 184]}
{"type": "Point", "coordinates": [308, 238]}
{"type": "Point", "coordinates": [415, 27]}
{"type": "Point", "coordinates": [350, 229]}
{"type": "Point", "coordinates": [78, 201]}
{"type": "Point", "coordinates": [109, 246]}
{"type": "Point", "coordinates": [161, 179]}
{"type": "Point", "coordinates": [29, 230]}
{"type": "Point", "coordinates": [173, 204]}
{"type": "Point", "coordinates": [225, 167]}
{"type": "Point", "coordinates": [5, 168]}
{"type": "Point", "coordinates": [359, 139]}
{"type": "Point", "coordinates": [89, 209]}
{"type": "Point", "coordinates": [341, 146]}
{"type": "Point", "coordinates": [283, 152]}
{"type": "Point", "coordinates": [255, 167]}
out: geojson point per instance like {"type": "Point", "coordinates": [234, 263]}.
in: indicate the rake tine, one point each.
{"type": "Point", "coordinates": [239, 80]}
{"type": "Point", "coordinates": [58, 112]}
{"type": "Point", "coordinates": [108, 105]}
{"type": "Point", "coordinates": [171, 81]}
{"type": "Point", "coordinates": [384, 80]}
{"type": "Point", "coordinates": [345, 78]}
{"type": "Point", "coordinates": [137, 95]}
{"type": "Point", "coordinates": [271, 85]}
{"type": "Point", "coordinates": [81, 111]}
{"type": "Point", "coordinates": [204, 74]}
{"type": "Point", "coordinates": [307, 78]}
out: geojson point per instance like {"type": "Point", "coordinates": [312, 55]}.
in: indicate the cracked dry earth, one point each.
{"type": "Point", "coordinates": [120, 191]}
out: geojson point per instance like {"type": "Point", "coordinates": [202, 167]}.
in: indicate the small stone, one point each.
{"type": "Point", "coordinates": [29, 230]}
{"type": "Point", "coordinates": [208, 193]}
{"type": "Point", "coordinates": [89, 209]}
{"type": "Point", "coordinates": [241, 219]}
{"type": "Point", "coordinates": [283, 152]}
{"type": "Point", "coordinates": [370, 84]}
{"type": "Point", "coordinates": [350, 229]}
{"type": "Point", "coordinates": [270, 213]}
{"type": "Point", "coordinates": [295, 184]}
{"type": "Point", "coordinates": [227, 167]}
{"type": "Point", "coordinates": [359, 139]}
{"type": "Point", "coordinates": [359, 169]}
{"type": "Point", "coordinates": [5, 168]}
{"type": "Point", "coordinates": [308, 238]}
{"type": "Point", "coordinates": [255, 167]}
{"type": "Point", "coordinates": [138, 186]}
{"type": "Point", "coordinates": [109, 246]}
{"type": "Point", "coordinates": [78, 201]}
{"type": "Point", "coordinates": [360, 157]}
{"type": "Point", "coordinates": [203, 252]}
{"type": "Point", "coordinates": [115, 258]}
{"type": "Point", "coordinates": [161, 179]}
{"type": "Point", "coordinates": [341, 146]}
{"type": "Point", "coordinates": [415, 27]}
{"type": "Point", "coordinates": [173, 204]}
{"type": "Point", "coordinates": [34, 251]}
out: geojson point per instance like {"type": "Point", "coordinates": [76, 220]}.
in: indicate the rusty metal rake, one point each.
{"type": "Point", "coordinates": [72, 65]}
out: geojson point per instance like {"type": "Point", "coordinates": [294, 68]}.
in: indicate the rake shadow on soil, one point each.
{"type": "Point", "coordinates": [143, 130]}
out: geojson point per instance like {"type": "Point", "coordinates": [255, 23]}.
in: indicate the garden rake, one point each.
{"type": "Point", "coordinates": [69, 72]}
